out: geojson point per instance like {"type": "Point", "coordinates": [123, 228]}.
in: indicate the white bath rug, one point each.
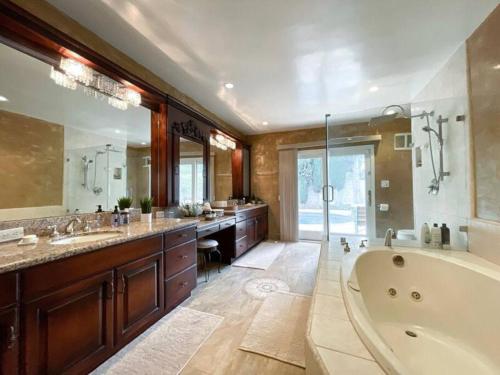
{"type": "Point", "coordinates": [261, 288]}
{"type": "Point", "coordinates": [260, 257]}
{"type": "Point", "coordinates": [278, 330]}
{"type": "Point", "coordinates": [166, 347]}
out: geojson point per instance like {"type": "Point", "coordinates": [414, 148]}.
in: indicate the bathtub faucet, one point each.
{"type": "Point", "coordinates": [388, 237]}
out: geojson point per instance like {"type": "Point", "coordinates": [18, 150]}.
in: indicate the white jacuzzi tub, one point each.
{"type": "Point", "coordinates": [438, 313]}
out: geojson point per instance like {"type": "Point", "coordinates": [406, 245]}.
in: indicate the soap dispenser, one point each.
{"type": "Point", "coordinates": [425, 235]}
{"type": "Point", "coordinates": [436, 240]}
{"type": "Point", "coordinates": [115, 217]}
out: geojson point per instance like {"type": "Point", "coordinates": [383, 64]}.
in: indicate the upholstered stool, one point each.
{"type": "Point", "coordinates": [205, 249]}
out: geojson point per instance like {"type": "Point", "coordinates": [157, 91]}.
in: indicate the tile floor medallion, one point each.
{"type": "Point", "coordinates": [262, 287]}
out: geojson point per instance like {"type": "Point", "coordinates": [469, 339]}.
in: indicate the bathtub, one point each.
{"type": "Point", "coordinates": [425, 312]}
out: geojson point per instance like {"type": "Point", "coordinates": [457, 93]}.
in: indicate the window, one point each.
{"type": "Point", "coordinates": [191, 180]}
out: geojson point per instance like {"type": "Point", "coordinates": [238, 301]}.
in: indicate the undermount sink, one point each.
{"type": "Point", "coordinates": [85, 237]}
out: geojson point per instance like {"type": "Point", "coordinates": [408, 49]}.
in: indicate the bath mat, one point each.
{"type": "Point", "coordinates": [262, 287]}
{"type": "Point", "coordinates": [260, 257]}
{"type": "Point", "coordinates": [278, 330]}
{"type": "Point", "coordinates": [166, 347]}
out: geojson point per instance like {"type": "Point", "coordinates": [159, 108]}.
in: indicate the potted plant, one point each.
{"type": "Point", "coordinates": [124, 203]}
{"type": "Point", "coordinates": [191, 209]}
{"type": "Point", "coordinates": [146, 206]}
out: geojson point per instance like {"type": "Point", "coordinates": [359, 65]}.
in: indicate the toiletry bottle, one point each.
{"type": "Point", "coordinates": [445, 237]}
{"type": "Point", "coordinates": [115, 217]}
{"type": "Point", "coordinates": [436, 242]}
{"type": "Point", "coordinates": [425, 235]}
{"type": "Point", "coordinates": [98, 216]}
{"type": "Point", "coordinates": [125, 218]}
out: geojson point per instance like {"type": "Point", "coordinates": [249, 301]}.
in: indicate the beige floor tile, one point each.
{"type": "Point", "coordinates": [329, 274]}
{"type": "Point", "coordinates": [340, 363]}
{"type": "Point", "coordinates": [337, 334]}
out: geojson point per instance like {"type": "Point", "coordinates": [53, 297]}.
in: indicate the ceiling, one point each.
{"type": "Point", "coordinates": [25, 82]}
{"type": "Point", "coordinates": [291, 61]}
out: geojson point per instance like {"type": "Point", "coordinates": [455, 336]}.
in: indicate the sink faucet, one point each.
{"type": "Point", "coordinates": [70, 226]}
{"type": "Point", "coordinates": [388, 237]}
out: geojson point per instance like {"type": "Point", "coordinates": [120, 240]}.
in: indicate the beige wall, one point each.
{"type": "Point", "coordinates": [57, 19]}
{"type": "Point", "coordinates": [484, 84]}
{"type": "Point", "coordinates": [223, 177]}
{"type": "Point", "coordinates": [31, 160]}
{"type": "Point", "coordinates": [391, 165]}
{"type": "Point", "coordinates": [264, 167]}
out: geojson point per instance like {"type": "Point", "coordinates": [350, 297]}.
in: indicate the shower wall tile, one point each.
{"type": "Point", "coordinates": [446, 94]}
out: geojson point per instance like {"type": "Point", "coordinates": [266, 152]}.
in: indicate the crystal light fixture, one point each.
{"type": "Point", "coordinates": [71, 73]}
{"type": "Point", "coordinates": [222, 142]}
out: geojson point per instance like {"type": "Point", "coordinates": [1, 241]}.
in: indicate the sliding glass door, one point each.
{"type": "Point", "coordinates": [350, 212]}
{"type": "Point", "coordinates": [311, 178]}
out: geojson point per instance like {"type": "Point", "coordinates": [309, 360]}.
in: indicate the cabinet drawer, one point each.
{"type": "Point", "coordinates": [179, 258]}
{"type": "Point", "coordinates": [241, 216]}
{"type": "Point", "coordinates": [179, 287]}
{"type": "Point", "coordinates": [179, 236]}
{"type": "Point", "coordinates": [207, 231]}
{"type": "Point", "coordinates": [241, 229]}
{"type": "Point", "coordinates": [40, 279]}
{"type": "Point", "coordinates": [227, 224]}
{"type": "Point", "coordinates": [241, 246]}
{"type": "Point", "coordinates": [8, 289]}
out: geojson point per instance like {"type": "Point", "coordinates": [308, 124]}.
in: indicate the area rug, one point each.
{"type": "Point", "coordinates": [262, 287]}
{"type": "Point", "coordinates": [166, 347]}
{"type": "Point", "coordinates": [278, 330]}
{"type": "Point", "coordinates": [261, 257]}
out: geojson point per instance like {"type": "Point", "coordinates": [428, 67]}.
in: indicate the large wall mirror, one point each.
{"type": "Point", "coordinates": [64, 150]}
{"type": "Point", "coordinates": [191, 175]}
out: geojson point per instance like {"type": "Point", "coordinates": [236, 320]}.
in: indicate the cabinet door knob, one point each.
{"type": "Point", "coordinates": [184, 257]}
{"type": "Point", "coordinates": [124, 284]}
{"type": "Point", "coordinates": [185, 283]}
{"type": "Point", "coordinates": [12, 337]}
{"type": "Point", "coordinates": [183, 235]}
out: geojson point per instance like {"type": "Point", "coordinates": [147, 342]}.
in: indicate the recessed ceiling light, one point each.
{"type": "Point", "coordinates": [117, 131]}
{"type": "Point", "coordinates": [143, 143]}
{"type": "Point", "coordinates": [3, 99]}
{"type": "Point", "coordinates": [228, 85]}
{"type": "Point", "coordinates": [497, 67]}
{"type": "Point", "coordinates": [265, 123]}
{"type": "Point", "coordinates": [373, 89]}
{"type": "Point", "coordinates": [390, 112]}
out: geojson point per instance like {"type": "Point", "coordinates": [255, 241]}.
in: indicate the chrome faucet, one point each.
{"type": "Point", "coordinates": [388, 237]}
{"type": "Point", "coordinates": [70, 227]}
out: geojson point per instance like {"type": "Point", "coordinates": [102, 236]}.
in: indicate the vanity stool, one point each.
{"type": "Point", "coordinates": [205, 248]}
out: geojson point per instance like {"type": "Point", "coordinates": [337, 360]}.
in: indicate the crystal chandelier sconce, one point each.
{"type": "Point", "coordinates": [72, 73]}
{"type": "Point", "coordinates": [222, 142]}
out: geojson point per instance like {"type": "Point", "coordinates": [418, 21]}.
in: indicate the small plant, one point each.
{"type": "Point", "coordinates": [191, 209]}
{"type": "Point", "coordinates": [146, 205]}
{"type": "Point", "coordinates": [124, 202]}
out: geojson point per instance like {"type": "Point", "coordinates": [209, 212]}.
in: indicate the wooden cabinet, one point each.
{"type": "Point", "coordinates": [179, 287]}
{"type": "Point", "coordinates": [261, 230]}
{"type": "Point", "coordinates": [9, 341]}
{"type": "Point", "coordinates": [251, 232]}
{"type": "Point", "coordinates": [70, 329]}
{"type": "Point", "coordinates": [139, 296]}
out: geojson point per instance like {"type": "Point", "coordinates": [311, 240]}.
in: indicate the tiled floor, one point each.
{"type": "Point", "coordinates": [224, 295]}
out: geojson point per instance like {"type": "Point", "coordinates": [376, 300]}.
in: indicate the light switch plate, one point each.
{"type": "Point", "coordinates": [11, 234]}
{"type": "Point", "coordinates": [384, 184]}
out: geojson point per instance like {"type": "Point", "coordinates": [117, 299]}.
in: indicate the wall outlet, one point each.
{"type": "Point", "coordinates": [11, 234]}
{"type": "Point", "coordinates": [384, 184]}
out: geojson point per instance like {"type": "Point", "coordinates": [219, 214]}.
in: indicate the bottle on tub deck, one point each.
{"type": "Point", "coordinates": [445, 237]}
{"type": "Point", "coordinates": [436, 240]}
{"type": "Point", "coordinates": [425, 235]}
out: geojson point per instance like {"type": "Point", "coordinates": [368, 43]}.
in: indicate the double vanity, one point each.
{"type": "Point", "coordinates": [67, 307]}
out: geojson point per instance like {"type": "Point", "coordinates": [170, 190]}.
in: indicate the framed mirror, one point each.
{"type": "Point", "coordinates": [65, 148]}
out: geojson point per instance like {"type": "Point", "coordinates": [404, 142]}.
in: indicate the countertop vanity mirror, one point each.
{"type": "Point", "coordinates": [66, 148]}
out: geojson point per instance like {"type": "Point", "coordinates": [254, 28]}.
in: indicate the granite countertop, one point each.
{"type": "Point", "coordinates": [207, 223]}
{"type": "Point", "coordinates": [240, 208]}
{"type": "Point", "coordinates": [14, 257]}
